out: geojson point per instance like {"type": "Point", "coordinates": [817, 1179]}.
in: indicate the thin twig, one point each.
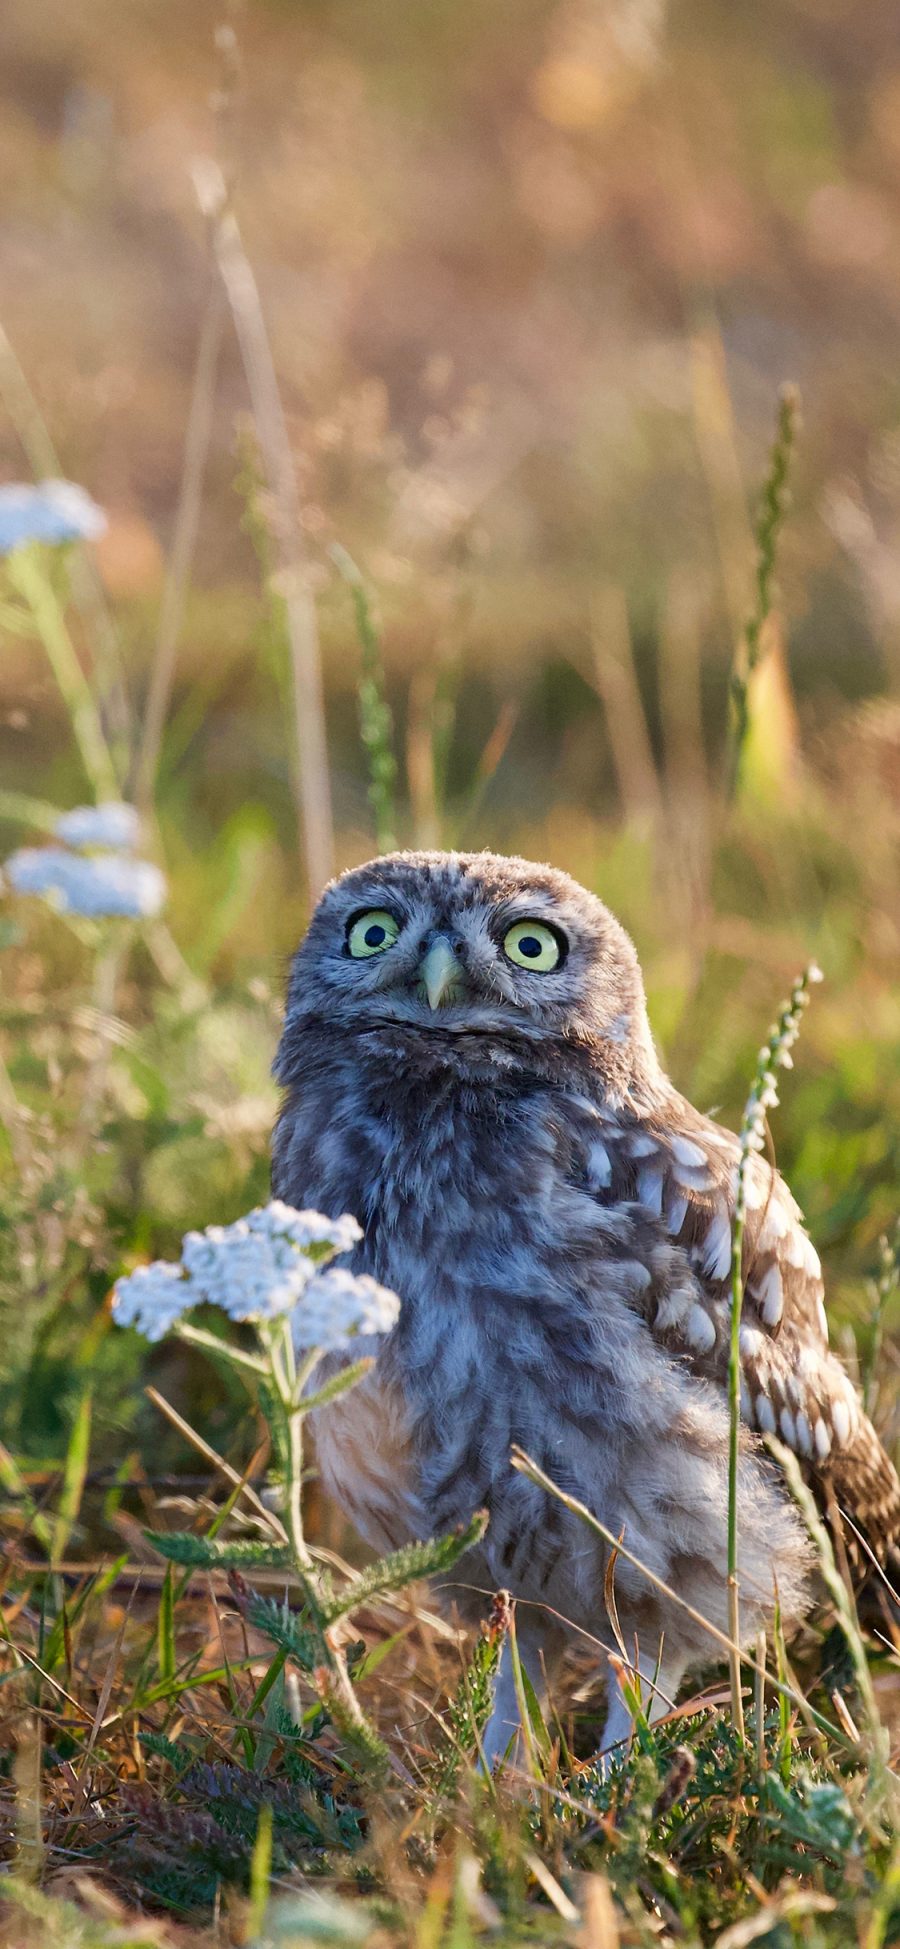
{"type": "Point", "coordinates": [212, 1455]}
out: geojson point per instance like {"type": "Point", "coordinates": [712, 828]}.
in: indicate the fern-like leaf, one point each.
{"type": "Point", "coordinates": [267, 1614]}
{"type": "Point", "coordinates": [406, 1566]}
{"type": "Point", "coordinates": [182, 1546]}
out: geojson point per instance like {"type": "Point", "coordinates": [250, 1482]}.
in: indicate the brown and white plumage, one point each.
{"type": "Point", "coordinates": [481, 1089]}
{"type": "Point", "coordinates": [681, 1167]}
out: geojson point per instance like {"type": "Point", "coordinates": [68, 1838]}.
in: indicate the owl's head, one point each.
{"type": "Point", "coordinates": [448, 946]}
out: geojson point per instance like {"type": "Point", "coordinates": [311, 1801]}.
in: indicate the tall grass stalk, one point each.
{"type": "Point", "coordinates": [717, 443]}
{"type": "Point", "coordinates": [376, 722]}
{"type": "Point", "coordinates": [775, 1054]}
{"type": "Point", "coordinates": [187, 518]}
{"type": "Point", "coordinates": [616, 683]}
{"type": "Point", "coordinates": [882, 1290]}
{"type": "Point", "coordinates": [767, 533]}
{"type": "Point", "coordinates": [293, 578]}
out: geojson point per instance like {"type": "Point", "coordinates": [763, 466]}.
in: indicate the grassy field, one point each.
{"type": "Point", "coordinates": [171, 1770]}
{"type": "Point", "coordinates": [174, 1768]}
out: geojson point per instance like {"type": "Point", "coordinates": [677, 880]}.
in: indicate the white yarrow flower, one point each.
{"type": "Point", "coordinates": [339, 1307]}
{"type": "Point", "coordinates": [262, 1268]}
{"type": "Point", "coordinates": [52, 511]}
{"type": "Point", "coordinates": [114, 825]}
{"type": "Point", "coordinates": [251, 1274]}
{"type": "Point", "coordinates": [306, 1228]}
{"type": "Point", "coordinates": [99, 887]}
{"type": "Point", "coordinates": [152, 1298]}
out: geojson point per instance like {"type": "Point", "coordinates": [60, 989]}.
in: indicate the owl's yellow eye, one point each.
{"type": "Point", "coordinates": [372, 933]}
{"type": "Point", "coordinates": [532, 945]}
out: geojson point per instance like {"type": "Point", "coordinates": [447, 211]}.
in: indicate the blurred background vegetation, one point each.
{"type": "Point", "coordinates": [533, 275]}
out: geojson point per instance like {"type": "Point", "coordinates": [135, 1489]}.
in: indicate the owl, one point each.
{"type": "Point", "coordinates": [467, 1066]}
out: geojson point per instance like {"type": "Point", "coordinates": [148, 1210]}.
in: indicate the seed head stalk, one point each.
{"type": "Point", "coordinates": [773, 508]}
{"type": "Point", "coordinates": [774, 1055]}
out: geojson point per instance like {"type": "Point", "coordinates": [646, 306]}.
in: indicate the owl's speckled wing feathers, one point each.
{"type": "Point", "coordinates": [681, 1168]}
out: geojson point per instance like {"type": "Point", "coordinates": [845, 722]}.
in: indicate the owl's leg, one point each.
{"type": "Point", "coordinates": [540, 1644]}
{"type": "Point", "coordinates": [658, 1690]}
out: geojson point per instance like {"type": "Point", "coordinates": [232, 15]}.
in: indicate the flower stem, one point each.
{"type": "Point", "coordinates": [775, 1054]}
{"type": "Point", "coordinates": [333, 1681]}
{"type": "Point", "coordinates": [28, 574]}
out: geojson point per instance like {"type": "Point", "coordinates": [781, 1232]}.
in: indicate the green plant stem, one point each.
{"type": "Point", "coordinates": [293, 582]}
{"type": "Point", "coordinates": [197, 1336]}
{"type": "Point", "coordinates": [111, 959]}
{"type": "Point", "coordinates": [734, 1423]}
{"type": "Point", "coordinates": [22, 810]}
{"type": "Point", "coordinates": [187, 521]}
{"type": "Point", "coordinates": [332, 1677]}
{"type": "Point", "coordinates": [28, 573]}
{"type": "Point", "coordinates": [774, 1055]}
{"type": "Point", "coordinates": [882, 1291]}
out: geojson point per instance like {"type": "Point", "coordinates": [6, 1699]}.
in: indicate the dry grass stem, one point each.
{"type": "Point", "coordinates": [293, 583]}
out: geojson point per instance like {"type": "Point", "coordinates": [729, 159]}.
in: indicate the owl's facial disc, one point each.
{"type": "Point", "coordinates": [439, 975]}
{"type": "Point", "coordinates": [449, 945]}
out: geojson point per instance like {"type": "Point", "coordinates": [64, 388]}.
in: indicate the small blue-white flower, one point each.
{"type": "Point", "coordinates": [251, 1275]}
{"type": "Point", "coordinates": [338, 1307]}
{"type": "Point", "coordinates": [306, 1228]}
{"type": "Point", "coordinates": [113, 825]}
{"type": "Point", "coordinates": [103, 886]}
{"type": "Point", "coordinates": [262, 1265]}
{"type": "Point", "coordinates": [51, 511]}
{"type": "Point", "coordinates": [152, 1298]}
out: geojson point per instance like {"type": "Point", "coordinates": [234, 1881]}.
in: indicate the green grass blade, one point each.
{"type": "Point", "coordinates": [165, 1629]}
{"type": "Point", "coordinates": [74, 1475]}
{"type": "Point", "coordinates": [260, 1873]}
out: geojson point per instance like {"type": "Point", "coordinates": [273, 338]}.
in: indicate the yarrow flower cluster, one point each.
{"type": "Point", "coordinates": [100, 886]}
{"type": "Point", "coordinates": [265, 1266]}
{"type": "Point", "coordinates": [103, 885]}
{"type": "Point", "coordinates": [152, 1298]}
{"type": "Point", "coordinates": [51, 511]}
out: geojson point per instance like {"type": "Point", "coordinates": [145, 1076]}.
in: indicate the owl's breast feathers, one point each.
{"type": "Point", "coordinates": [681, 1169]}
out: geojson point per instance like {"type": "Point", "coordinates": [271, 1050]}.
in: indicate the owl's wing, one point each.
{"type": "Point", "coordinates": [681, 1171]}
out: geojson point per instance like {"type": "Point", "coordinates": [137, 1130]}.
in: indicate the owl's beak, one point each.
{"type": "Point", "coordinates": [440, 974]}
